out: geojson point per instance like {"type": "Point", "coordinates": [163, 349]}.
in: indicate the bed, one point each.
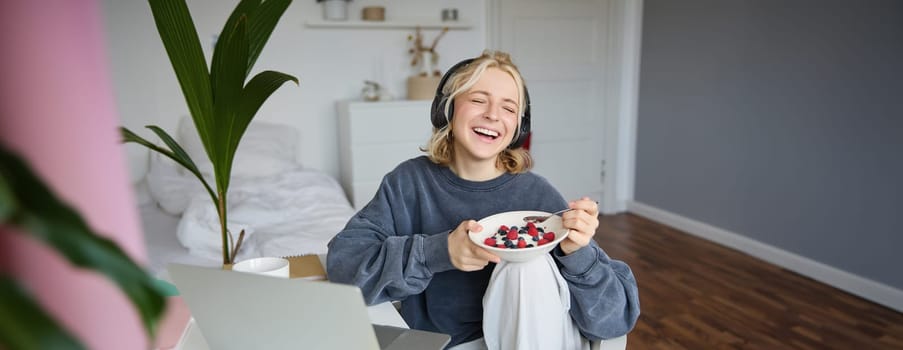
{"type": "Point", "coordinates": [284, 208]}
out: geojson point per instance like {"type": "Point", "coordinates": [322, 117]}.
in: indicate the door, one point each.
{"type": "Point", "coordinates": [559, 47]}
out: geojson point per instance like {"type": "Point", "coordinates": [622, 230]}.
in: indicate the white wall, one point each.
{"type": "Point", "coordinates": [330, 63]}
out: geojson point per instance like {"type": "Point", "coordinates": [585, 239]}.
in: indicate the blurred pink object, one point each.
{"type": "Point", "coordinates": [173, 323]}
{"type": "Point", "coordinates": [57, 111]}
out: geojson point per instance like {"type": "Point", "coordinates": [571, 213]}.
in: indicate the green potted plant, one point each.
{"type": "Point", "coordinates": [28, 205]}
{"type": "Point", "coordinates": [222, 101]}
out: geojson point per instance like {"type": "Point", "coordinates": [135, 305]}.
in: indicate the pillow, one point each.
{"type": "Point", "coordinates": [171, 189]}
{"type": "Point", "coordinates": [265, 149]}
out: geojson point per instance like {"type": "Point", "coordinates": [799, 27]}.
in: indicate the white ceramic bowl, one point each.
{"type": "Point", "coordinates": [492, 223]}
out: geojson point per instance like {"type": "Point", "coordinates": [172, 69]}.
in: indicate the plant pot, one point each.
{"type": "Point", "coordinates": [422, 88]}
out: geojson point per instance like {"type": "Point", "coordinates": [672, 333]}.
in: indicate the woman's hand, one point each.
{"type": "Point", "coordinates": [582, 221]}
{"type": "Point", "coordinates": [464, 254]}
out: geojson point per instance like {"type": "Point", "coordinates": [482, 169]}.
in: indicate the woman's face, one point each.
{"type": "Point", "coordinates": [485, 117]}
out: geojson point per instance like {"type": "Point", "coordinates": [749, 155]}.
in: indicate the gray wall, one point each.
{"type": "Point", "coordinates": [781, 121]}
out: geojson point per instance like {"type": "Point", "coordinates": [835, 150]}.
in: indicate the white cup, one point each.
{"type": "Point", "coordinates": [335, 10]}
{"type": "Point", "coordinates": [276, 267]}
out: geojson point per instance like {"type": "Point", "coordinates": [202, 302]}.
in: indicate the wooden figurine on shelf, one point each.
{"type": "Point", "coordinates": [423, 57]}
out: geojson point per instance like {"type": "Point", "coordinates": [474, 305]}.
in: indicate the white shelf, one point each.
{"type": "Point", "coordinates": [400, 23]}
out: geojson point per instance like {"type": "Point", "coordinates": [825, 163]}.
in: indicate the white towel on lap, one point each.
{"type": "Point", "coordinates": [526, 307]}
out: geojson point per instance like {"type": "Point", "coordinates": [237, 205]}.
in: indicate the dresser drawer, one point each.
{"type": "Point", "coordinates": [374, 137]}
{"type": "Point", "coordinates": [389, 122]}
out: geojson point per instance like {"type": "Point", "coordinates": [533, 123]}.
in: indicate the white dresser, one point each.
{"type": "Point", "coordinates": [374, 137]}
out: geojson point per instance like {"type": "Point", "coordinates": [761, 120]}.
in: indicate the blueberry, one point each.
{"type": "Point", "coordinates": [536, 238]}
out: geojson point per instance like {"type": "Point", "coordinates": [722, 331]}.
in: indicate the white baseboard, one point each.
{"type": "Point", "coordinates": [875, 291]}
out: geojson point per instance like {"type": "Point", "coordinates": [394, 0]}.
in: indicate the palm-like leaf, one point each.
{"type": "Point", "coordinates": [175, 152]}
{"type": "Point", "coordinates": [255, 93]}
{"type": "Point", "coordinates": [228, 73]}
{"type": "Point", "coordinates": [262, 23]}
{"type": "Point", "coordinates": [241, 41]}
{"type": "Point", "coordinates": [181, 41]}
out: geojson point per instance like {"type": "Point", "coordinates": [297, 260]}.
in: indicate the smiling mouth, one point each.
{"type": "Point", "coordinates": [486, 132]}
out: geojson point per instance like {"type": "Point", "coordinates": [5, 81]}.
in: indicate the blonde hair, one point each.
{"type": "Point", "coordinates": [440, 148]}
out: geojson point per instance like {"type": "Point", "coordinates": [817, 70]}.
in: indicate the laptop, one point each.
{"type": "Point", "coordinates": [236, 310]}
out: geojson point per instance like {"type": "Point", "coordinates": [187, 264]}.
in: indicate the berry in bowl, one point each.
{"type": "Point", "coordinates": [511, 238]}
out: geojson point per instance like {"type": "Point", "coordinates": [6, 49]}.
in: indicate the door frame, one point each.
{"type": "Point", "coordinates": [621, 90]}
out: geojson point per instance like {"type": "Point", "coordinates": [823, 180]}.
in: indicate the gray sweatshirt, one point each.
{"type": "Point", "coordinates": [396, 248]}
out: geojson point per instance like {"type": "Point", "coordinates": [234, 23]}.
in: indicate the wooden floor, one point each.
{"type": "Point", "coordinates": [695, 294]}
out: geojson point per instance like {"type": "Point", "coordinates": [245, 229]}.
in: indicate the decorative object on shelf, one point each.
{"type": "Point", "coordinates": [374, 92]}
{"type": "Point", "coordinates": [422, 85]}
{"type": "Point", "coordinates": [422, 88]}
{"type": "Point", "coordinates": [449, 15]}
{"type": "Point", "coordinates": [335, 10]}
{"type": "Point", "coordinates": [373, 13]}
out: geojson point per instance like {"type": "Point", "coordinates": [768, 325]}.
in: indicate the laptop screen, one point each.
{"type": "Point", "coordinates": [235, 310]}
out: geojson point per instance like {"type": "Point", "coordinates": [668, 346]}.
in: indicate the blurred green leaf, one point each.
{"type": "Point", "coordinates": [25, 326]}
{"type": "Point", "coordinates": [38, 213]}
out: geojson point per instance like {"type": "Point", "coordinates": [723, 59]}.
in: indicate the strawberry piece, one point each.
{"type": "Point", "coordinates": [489, 241]}
{"type": "Point", "coordinates": [549, 236]}
{"type": "Point", "coordinates": [542, 241]}
{"type": "Point", "coordinates": [500, 246]}
{"type": "Point", "coordinates": [503, 228]}
{"type": "Point", "coordinates": [531, 225]}
{"type": "Point", "coordinates": [532, 231]}
{"type": "Point", "coordinates": [521, 243]}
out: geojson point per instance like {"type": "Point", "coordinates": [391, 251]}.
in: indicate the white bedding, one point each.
{"type": "Point", "coordinates": [284, 208]}
{"type": "Point", "coordinates": [162, 245]}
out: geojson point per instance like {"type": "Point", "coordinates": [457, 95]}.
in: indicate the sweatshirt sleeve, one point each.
{"type": "Point", "coordinates": [384, 264]}
{"type": "Point", "coordinates": [604, 299]}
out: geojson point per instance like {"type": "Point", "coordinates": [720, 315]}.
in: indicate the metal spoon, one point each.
{"type": "Point", "coordinates": [541, 218]}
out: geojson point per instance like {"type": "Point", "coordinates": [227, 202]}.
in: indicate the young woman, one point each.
{"type": "Point", "coordinates": [410, 242]}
